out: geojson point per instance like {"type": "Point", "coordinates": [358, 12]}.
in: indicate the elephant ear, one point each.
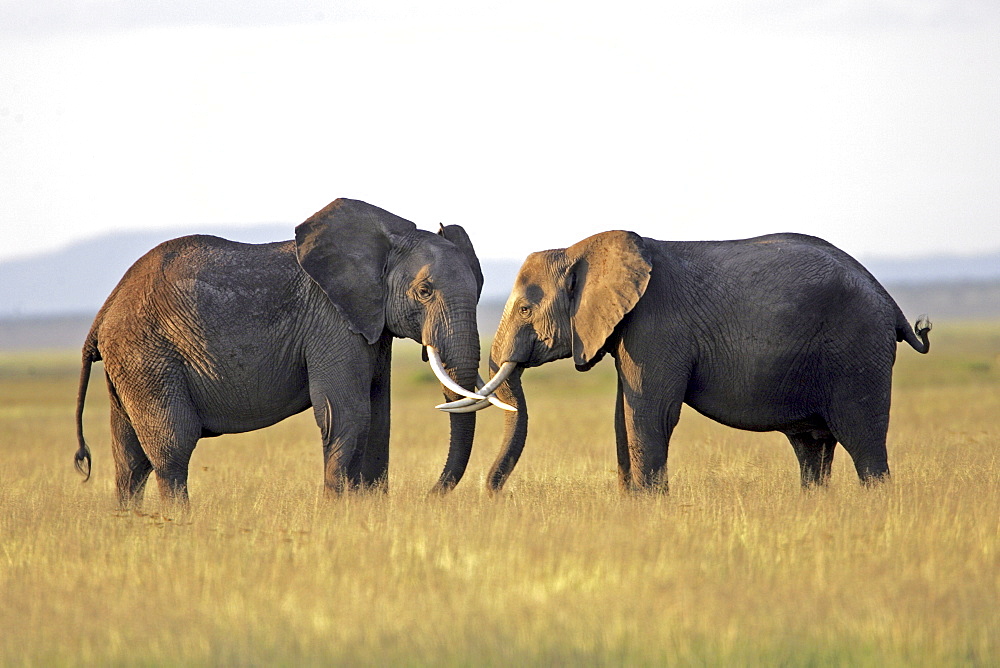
{"type": "Point", "coordinates": [457, 235]}
{"type": "Point", "coordinates": [608, 275]}
{"type": "Point", "coordinates": [345, 249]}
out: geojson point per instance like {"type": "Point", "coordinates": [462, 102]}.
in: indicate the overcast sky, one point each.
{"type": "Point", "coordinates": [872, 123]}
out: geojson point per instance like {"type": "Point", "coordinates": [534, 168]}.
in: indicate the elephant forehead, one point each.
{"type": "Point", "coordinates": [531, 291]}
{"type": "Point", "coordinates": [445, 271]}
{"type": "Point", "coordinates": [542, 268]}
{"type": "Point", "coordinates": [423, 273]}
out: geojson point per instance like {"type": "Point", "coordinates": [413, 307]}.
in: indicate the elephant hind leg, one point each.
{"type": "Point", "coordinates": [169, 444]}
{"type": "Point", "coordinates": [861, 429]}
{"type": "Point", "coordinates": [814, 449]}
{"type": "Point", "coordinates": [171, 463]}
{"type": "Point", "coordinates": [132, 466]}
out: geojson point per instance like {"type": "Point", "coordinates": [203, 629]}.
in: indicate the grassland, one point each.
{"type": "Point", "coordinates": [735, 566]}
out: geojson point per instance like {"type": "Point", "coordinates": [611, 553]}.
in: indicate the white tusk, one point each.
{"type": "Point", "coordinates": [442, 375]}
{"type": "Point", "coordinates": [465, 408]}
{"type": "Point", "coordinates": [502, 373]}
{"type": "Point", "coordinates": [492, 398]}
{"type": "Point", "coordinates": [501, 404]}
{"type": "Point", "coordinates": [480, 394]}
{"type": "Point", "coordinates": [461, 406]}
{"type": "Point", "coordinates": [461, 403]}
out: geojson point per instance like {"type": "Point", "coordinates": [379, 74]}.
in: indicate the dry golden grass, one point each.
{"type": "Point", "coordinates": [735, 566]}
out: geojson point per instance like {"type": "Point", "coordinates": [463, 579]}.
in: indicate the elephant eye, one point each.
{"type": "Point", "coordinates": [525, 311]}
{"type": "Point", "coordinates": [424, 291]}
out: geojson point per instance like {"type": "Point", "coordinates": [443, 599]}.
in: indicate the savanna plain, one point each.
{"type": "Point", "coordinates": [736, 565]}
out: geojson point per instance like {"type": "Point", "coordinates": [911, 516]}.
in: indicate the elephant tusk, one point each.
{"type": "Point", "coordinates": [438, 368]}
{"type": "Point", "coordinates": [501, 404]}
{"type": "Point", "coordinates": [501, 375]}
{"type": "Point", "coordinates": [479, 401]}
{"type": "Point", "coordinates": [462, 407]}
{"type": "Point", "coordinates": [461, 403]}
{"type": "Point", "coordinates": [474, 401]}
{"type": "Point", "coordinates": [483, 388]}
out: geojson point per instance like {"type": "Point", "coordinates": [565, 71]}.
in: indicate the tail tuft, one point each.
{"type": "Point", "coordinates": [82, 462]}
{"type": "Point", "coordinates": [921, 342]}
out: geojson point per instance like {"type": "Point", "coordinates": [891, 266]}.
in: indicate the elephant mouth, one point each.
{"type": "Point", "coordinates": [540, 351]}
{"type": "Point", "coordinates": [473, 401]}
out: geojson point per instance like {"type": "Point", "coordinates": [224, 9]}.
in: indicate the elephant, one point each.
{"type": "Point", "coordinates": [205, 336]}
{"type": "Point", "coordinates": [783, 332]}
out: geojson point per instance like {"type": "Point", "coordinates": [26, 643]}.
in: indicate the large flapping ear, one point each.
{"type": "Point", "coordinates": [457, 235]}
{"type": "Point", "coordinates": [608, 274]}
{"type": "Point", "coordinates": [345, 248]}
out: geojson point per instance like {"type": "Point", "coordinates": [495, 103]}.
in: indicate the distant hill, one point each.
{"type": "Point", "coordinates": [49, 300]}
{"type": "Point", "coordinates": [935, 269]}
{"type": "Point", "coordinates": [77, 278]}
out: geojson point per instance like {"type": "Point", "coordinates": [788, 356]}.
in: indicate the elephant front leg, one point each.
{"type": "Point", "coordinates": [374, 469]}
{"type": "Point", "coordinates": [648, 426]}
{"type": "Point", "coordinates": [345, 436]}
{"type": "Point", "coordinates": [621, 442]}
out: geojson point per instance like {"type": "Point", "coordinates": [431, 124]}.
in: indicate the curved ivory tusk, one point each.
{"type": "Point", "coordinates": [462, 405]}
{"type": "Point", "coordinates": [493, 398]}
{"type": "Point", "coordinates": [470, 407]}
{"type": "Point", "coordinates": [481, 391]}
{"type": "Point", "coordinates": [501, 404]}
{"type": "Point", "coordinates": [501, 375]}
{"type": "Point", "coordinates": [438, 368]}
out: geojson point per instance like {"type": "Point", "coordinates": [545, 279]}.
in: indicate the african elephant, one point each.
{"type": "Point", "coordinates": [205, 336]}
{"type": "Point", "coordinates": [783, 332]}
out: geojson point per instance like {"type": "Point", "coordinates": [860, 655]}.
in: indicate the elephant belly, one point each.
{"type": "Point", "coordinates": [759, 418]}
{"type": "Point", "coordinates": [240, 399]}
{"type": "Point", "coordinates": [757, 407]}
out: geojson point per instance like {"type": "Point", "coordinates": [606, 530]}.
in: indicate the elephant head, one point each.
{"type": "Point", "coordinates": [565, 303]}
{"type": "Point", "coordinates": [386, 276]}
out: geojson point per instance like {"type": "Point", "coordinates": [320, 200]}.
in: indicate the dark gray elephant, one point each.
{"type": "Point", "coordinates": [778, 333]}
{"type": "Point", "coordinates": [205, 336]}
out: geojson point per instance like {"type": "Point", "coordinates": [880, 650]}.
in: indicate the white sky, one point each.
{"type": "Point", "coordinates": [872, 123]}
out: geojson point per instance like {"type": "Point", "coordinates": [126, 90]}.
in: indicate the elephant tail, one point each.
{"type": "Point", "coordinates": [915, 336]}
{"type": "Point", "coordinates": [90, 355]}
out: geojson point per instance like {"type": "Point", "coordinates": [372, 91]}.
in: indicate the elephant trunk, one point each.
{"type": "Point", "coordinates": [515, 430]}
{"type": "Point", "coordinates": [463, 430]}
{"type": "Point", "coordinates": [459, 351]}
